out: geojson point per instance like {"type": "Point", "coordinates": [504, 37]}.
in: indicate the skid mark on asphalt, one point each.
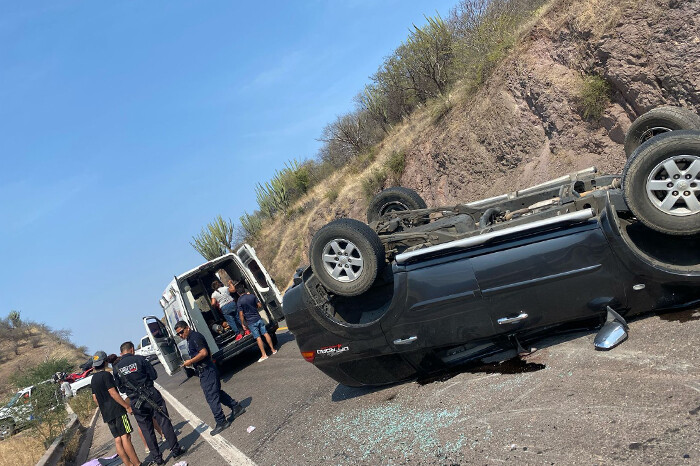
{"type": "Point", "coordinates": [223, 447]}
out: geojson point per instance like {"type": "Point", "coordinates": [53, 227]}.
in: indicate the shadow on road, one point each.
{"type": "Point", "coordinates": [187, 441]}
{"type": "Point", "coordinates": [342, 392]}
{"type": "Point", "coordinates": [688, 315]}
{"type": "Point", "coordinates": [228, 369]}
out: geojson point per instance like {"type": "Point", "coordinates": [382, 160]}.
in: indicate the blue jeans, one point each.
{"type": "Point", "coordinates": [257, 328]}
{"type": "Point", "coordinates": [231, 315]}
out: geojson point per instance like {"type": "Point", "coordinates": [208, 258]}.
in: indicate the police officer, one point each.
{"type": "Point", "coordinates": [135, 376]}
{"type": "Point", "coordinates": [200, 360]}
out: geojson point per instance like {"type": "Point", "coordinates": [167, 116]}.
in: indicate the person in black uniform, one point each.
{"type": "Point", "coordinates": [135, 372]}
{"type": "Point", "coordinates": [200, 360]}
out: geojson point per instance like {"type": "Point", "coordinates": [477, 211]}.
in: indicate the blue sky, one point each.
{"type": "Point", "coordinates": [126, 126]}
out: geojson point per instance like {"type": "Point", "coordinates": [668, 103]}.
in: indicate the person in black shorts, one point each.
{"type": "Point", "coordinates": [113, 409]}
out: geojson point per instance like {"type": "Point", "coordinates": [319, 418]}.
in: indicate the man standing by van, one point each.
{"type": "Point", "coordinates": [200, 360]}
{"type": "Point", "coordinates": [135, 376]}
{"type": "Point", "coordinates": [248, 306]}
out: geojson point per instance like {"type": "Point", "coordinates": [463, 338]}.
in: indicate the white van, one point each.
{"type": "Point", "coordinates": [188, 298]}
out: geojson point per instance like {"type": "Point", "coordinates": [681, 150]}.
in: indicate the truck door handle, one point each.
{"type": "Point", "coordinates": [512, 320]}
{"type": "Point", "coordinates": [405, 341]}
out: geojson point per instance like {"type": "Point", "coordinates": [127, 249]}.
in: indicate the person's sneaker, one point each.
{"type": "Point", "coordinates": [147, 451]}
{"type": "Point", "coordinates": [237, 411]}
{"type": "Point", "coordinates": [238, 337]}
{"type": "Point", "coordinates": [246, 333]}
{"type": "Point", "coordinates": [274, 351]}
{"type": "Point", "coordinates": [262, 359]}
{"type": "Point", "coordinates": [162, 438]}
{"type": "Point", "coordinates": [179, 452]}
{"type": "Point", "coordinates": [219, 427]}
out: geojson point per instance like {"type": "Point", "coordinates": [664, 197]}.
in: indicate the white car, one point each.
{"type": "Point", "coordinates": [18, 412]}
{"type": "Point", "coordinates": [147, 350]}
{"type": "Point", "coordinates": [80, 383]}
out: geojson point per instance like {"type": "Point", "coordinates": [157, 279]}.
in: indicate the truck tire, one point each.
{"type": "Point", "coordinates": [661, 183]}
{"type": "Point", "coordinates": [346, 256]}
{"type": "Point", "coordinates": [273, 337]}
{"type": "Point", "coordinates": [394, 199]}
{"type": "Point", "coordinates": [659, 121]}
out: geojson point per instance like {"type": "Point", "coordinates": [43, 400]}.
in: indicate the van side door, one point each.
{"type": "Point", "coordinates": [160, 337]}
{"type": "Point", "coordinates": [265, 288]}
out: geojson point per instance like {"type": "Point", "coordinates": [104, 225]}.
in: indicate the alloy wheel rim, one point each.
{"type": "Point", "coordinates": [342, 260]}
{"type": "Point", "coordinates": [673, 185]}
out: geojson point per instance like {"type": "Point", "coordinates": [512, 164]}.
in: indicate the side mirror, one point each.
{"type": "Point", "coordinates": [613, 332]}
{"type": "Point", "coordinates": [610, 335]}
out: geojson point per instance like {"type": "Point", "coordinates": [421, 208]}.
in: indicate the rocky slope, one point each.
{"type": "Point", "coordinates": [525, 125]}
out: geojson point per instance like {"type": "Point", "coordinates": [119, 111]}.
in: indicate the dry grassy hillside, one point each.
{"type": "Point", "coordinates": [526, 124]}
{"type": "Point", "coordinates": [38, 347]}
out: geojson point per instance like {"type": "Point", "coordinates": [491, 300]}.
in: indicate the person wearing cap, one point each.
{"type": "Point", "coordinates": [135, 376]}
{"type": "Point", "coordinates": [113, 409]}
{"type": "Point", "coordinates": [200, 360]}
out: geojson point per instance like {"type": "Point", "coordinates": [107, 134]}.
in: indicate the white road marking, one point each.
{"type": "Point", "coordinates": [223, 447]}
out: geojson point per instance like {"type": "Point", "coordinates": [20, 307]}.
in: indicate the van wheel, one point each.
{"type": "Point", "coordinates": [394, 199]}
{"type": "Point", "coordinates": [346, 256]}
{"type": "Point", "coordinates": [661, 183]}
{"type": "Point", "coordinates": [7, 428]}
{"type": "Point", "coordinates": [659, 121]}
{"type": "Point", "coordinates": [190, 372]}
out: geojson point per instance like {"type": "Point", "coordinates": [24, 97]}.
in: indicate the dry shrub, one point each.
{"type": "Point", "coordinates": [83, 405]}
{"type": "Point", "coordinates": [21, 450]}
{"type": "Point", "coordinates": [332, 194]}
{"type": "Point", "coordinates": [594, 97]}
{"type": "Point", "coordinates": [373, 183]}
{"type": "Point", "coordinates": [601, 16]}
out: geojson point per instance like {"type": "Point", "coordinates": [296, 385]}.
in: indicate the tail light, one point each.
{"type": "Point", "coordinates": [309, 355]}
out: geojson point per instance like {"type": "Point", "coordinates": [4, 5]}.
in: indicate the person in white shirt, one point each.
{"type": "Point", "coordinates": [221, 296]}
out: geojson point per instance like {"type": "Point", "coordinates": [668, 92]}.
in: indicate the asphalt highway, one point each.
{"type": "Point", "coordinates": [564, 404]}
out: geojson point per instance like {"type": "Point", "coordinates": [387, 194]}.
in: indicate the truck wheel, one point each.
{"type": "Point", "coordinates": [273, 337]}
{"type": "Point", "coordinates": [7, 428]}
{"type": "Point", "coordinates": [393, 200]}
{"type": "Point", "coordinates": [661, 183]}
{"type": "Point", "coordinates": [658, 121]}
{"type": "Point", "coordinates": [346, 256]}
{"type": "Point", "coordinates": [190, 372]}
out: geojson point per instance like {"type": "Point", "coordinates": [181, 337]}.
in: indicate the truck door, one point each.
{"type": "Point", "coordinates": [265, 288]}
{"type": "Point", "coordinates": [548, 279]}
{"type": "Point", "coordinates": [443, 308]}
{"type": "Point", "coordinates": [160, 337]}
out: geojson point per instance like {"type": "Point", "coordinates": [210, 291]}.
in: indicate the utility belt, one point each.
{"type": "Point", "coordinates": [201, 368]}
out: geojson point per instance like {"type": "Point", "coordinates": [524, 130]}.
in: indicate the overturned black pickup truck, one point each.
{"type": "Point", "coordinates": [418, 289]}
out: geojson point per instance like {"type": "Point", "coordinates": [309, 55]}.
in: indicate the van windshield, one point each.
{"type": "Point", "coordinates": [13, 400]}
